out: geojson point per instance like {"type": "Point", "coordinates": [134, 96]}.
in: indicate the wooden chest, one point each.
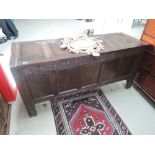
{"type": "Point", "coordinates": [145, 77]}
{"type": "Point", "coordinates": [41, 69]}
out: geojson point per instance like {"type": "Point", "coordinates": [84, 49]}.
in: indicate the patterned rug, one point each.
{"type": "Point", "coordinates": [86, 113]}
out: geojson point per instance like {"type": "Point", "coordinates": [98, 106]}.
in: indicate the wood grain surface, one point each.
{"type": "Point", "coordinates": [42, 70]}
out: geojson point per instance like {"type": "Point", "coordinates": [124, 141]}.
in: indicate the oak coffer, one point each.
{"type": "Point", "coordinates": [41, 69]}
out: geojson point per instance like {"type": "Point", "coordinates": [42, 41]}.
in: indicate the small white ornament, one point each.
{"type": "Point", "coordinates": [63, 46]}
{"type": "Point", "coordinates": [95, 54]}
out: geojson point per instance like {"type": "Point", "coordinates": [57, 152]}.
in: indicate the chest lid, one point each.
{"type": "Point", "coordinates": [43, 51]}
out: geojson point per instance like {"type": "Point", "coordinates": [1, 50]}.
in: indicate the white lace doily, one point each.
{"type": "Point", "coordinates": [87, 45]}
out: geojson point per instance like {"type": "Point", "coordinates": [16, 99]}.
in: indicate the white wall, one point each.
{"type": "Point", "coordinates": [112, 25]}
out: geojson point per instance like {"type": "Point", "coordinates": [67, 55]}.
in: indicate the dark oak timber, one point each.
{"type": "Point", "coordinates": [5, 115]}
{"type": "Point", "coordinates": [145, 77]}
{"type": "Point", "coordinates": [41, 69]}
